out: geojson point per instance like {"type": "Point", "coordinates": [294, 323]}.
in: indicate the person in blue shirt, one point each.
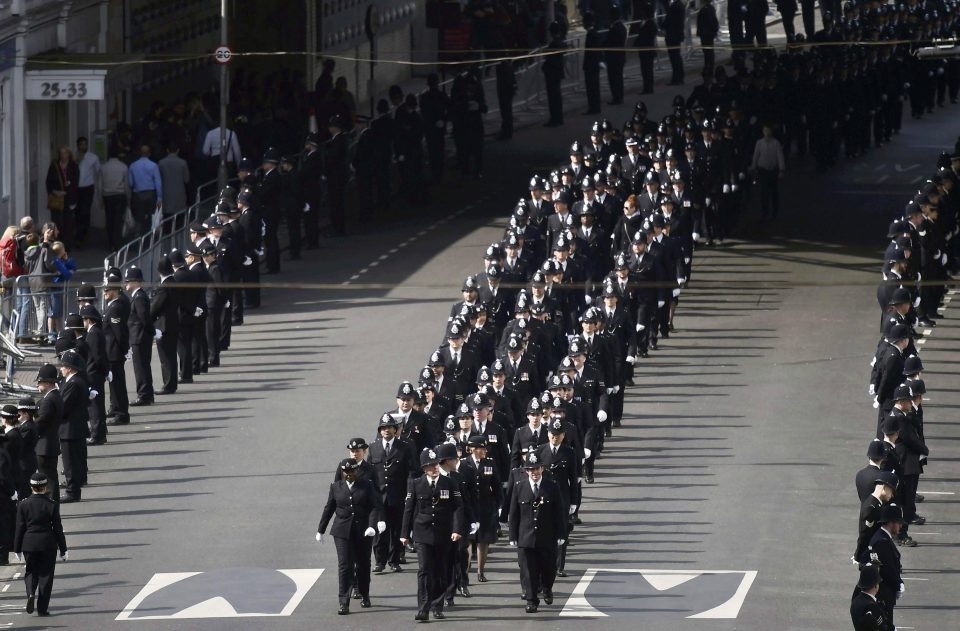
{"type": "Point", "coordinates": [147, 188]}
{"type": "Point", "coordinates": [65, 267]}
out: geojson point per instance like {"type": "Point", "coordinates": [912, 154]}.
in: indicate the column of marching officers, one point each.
{"type": "Point", "coordinates": [920, 253]}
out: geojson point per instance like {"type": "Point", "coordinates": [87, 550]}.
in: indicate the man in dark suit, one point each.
{"type": "Point", "coordinates": [75, 429]}
{"type": "Point", "coordinates": [335, 168]}
{"type": "Point", "coordinates": [164, 313]}
{"type": "Point", "coordinates": [141, 329]}
{"type": "Point", "coordinates": [646, 42]}
{"type": "Point", "coordinates": [49, 418]}
{"type": "Point", "coordinates": [98, 369]}
{"type": "Point", "coordinates": [394, 463]}
{"type": "Point", "coordinates": [358, 508]}
{"type": "Point", "coordinates": [433, 516]}
{"type": "Point", "coordinates": [116, 331]}
{"type": "Point", "coordinates": [616, 56]}
{"type": "Point", "coordinates": [538, 526]}
{"type": "Point", "coordinates": [38, 535]}
{"type": "Point", "coordinates": [883, 546]}
{"type": "Point", "coordinates": [673, 28]}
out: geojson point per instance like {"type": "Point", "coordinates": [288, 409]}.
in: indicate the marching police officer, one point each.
{"type": "Point", "coordinates": [538, 526]}
{"type": "Point", "coordinates": [38, 536]}
{"type": "Point", "coordinates": [357, 507]}
{"type": "Point", "coordinates": [433, 516]}
{"type": "Point", "coordinates": [393, 464]}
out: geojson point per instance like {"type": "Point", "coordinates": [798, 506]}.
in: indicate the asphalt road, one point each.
{"type": "Point", "coordinates": [732, 476]}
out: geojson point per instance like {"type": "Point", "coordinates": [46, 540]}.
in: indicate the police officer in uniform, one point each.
{"type": "Point", "coordinates": [538, 526]}
{"type": "Point", "coordinates": [270, 205]}
{"type": "Point", "coordinates": [98, 371]}
{"type": "Point", "coordinates": [356, 509]}
{"type": "Point", "coordinates": [866, 611]}
{"type": "Point", "coordinates": [883, 550]}
{"type": "Point", "coordinates": [74, 429]}
{"type": "Point", "coordinates": [164, 314]}
{"type": "Point", "coordinates": [49, 418]}
{"type": "Point", "coordinates": [393, 464]}
{"type": "Point", "coordinates": [553, 73]}
{"type": "Point", "coordinates": [433, 516]}
{"type": "Point", "coordinates": [116, 331]}
{"type": "Point", "coordinates": [141, 335]}
{"type": "Point", "coordinates": [39, 534]}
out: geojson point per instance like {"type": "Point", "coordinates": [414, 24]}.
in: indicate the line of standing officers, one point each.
{"type": "Point", "coordinates": [918, 258]}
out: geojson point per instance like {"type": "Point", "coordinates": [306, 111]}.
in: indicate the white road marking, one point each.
{"type": "Point", "coordinates": [5, 588]}
{"type": "Point", "coordinates": [355, 277]}
{"type": "Point", "coordinates": [921, 341]}
{"type": "Point", "coordinates": [364, 270]}
{"type": "Point", "coordinates": [927, 331]}
{"type": "Point", "coordinates": [927, 533]}
{"type": "Point", "coordinates": [913, 579]}
{"type": "Point", "coordinates": [384, 257]}
{"type": "Point", "coordinates": [394, 250]}
{"type": "Point", "coordinates": [374, 263]}
{"type": "Point", "coordinates": [936, 492]}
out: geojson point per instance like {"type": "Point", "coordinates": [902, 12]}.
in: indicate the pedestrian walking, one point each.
{"type": "Point", "coordinates": [39, 535]}
{"type": "Point", "coordinates": [768, 167]}
{"type": "Point", "coordinates": [88, 181]}
{"type": "Point", "coordinates": [145, 182]}
{"type": "Point", "coordinates": [552, 67]}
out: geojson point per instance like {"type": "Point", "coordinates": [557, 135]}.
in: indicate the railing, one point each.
{"type": "Point", "coordinates": [145, 250]}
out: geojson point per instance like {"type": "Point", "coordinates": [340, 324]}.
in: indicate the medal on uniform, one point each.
{"type": "Point", "coordinates": [492, 438]}
{"type": "Point", "coordinates": [444, 494]}
{"type": "Point", "coordinates": [488, 471]}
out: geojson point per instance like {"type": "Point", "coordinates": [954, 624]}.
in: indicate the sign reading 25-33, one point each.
{"type": "Point", "coordinates": [65, 85]}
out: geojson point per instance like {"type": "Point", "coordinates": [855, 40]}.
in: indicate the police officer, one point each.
{"type": "Point", "coordinates": [357, 507]}
{"type": "Point", "coordinates": [39, 534]}
{"type": "Point", "coordinates": [74, 429]}
{"type": "Point", "coordinates": [553, 73]}
{"type": "Point", "coordinates": [593, 41]}
{"type": "Point", "coordinates": [538, 526]}
{"type": "Point", "coordinates": [393, 464]}
{"type": "Point", "coordinates": [200, 277]}
{"type": "Point", "coordinates": [883, 550]}
{"type": "Point", "coordinates": [357, 448]}
{"type": "Point", "coordinates": [98, 371]}
{"type": "Point", "coordinates": [335, 170]}
{"type": "Point", "coordinates": [488, 494]}
{"type": "Point", "coordinates": [216, 297]}
{"type": "Point", "coordinates": [49, 418]}
{"type": "Point", "coordinates": [560, 461]}
{"type": "Point", "coordinates": [270, 204]}
{"type": "Point", "coordinates": [164, 314]}
{"type": "Point", "coordinates": [433, 516]}
{"type": "Point", "coordinates": [116, 331]}
{"type": "Point", "coordinates": [885, 486]}
{"type": "Point", "coordinates": [866, 611]}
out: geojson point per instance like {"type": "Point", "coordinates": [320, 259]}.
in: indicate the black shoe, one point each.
{"type": "Point", "coordinates": [643, 355]}
{"type": "Point", "coordinates": [617, 423]}
{"type": "Point", "coordinates": [561, 574]}
{"type": "Point", "coordinates": [450, 602]}
{"type": "Point", "coordinates": [653, 347]}
{"type": "Point", "coordinates": [396, 568]}
{"type": "Point", "coordinates": [68, 499]}
{"type": "Point", "coordinates": [531, 608]}
{"type": "Point", "coordinates": [237, 322]}
{"type": "Point", "coordinates": [214, 363]}
{"type": "Point", "coordinates": [552, 124]}
{"type": "Point", "coordinates": [119, 420]}
{"type": "Point", "coordinates": [365, 602]}
{"type": "Point", "coordinates": [111, 413]}
{"type": "Point", "coordinates": [589, 479]}
{"type": "Point", "coordinates": [355, 594]}
{"type": "Point", "coordinates": [167, 391]}
{"type": "Point", "coordinates": [926, 322]}
{"type": "Point", "coordinates": [91, 442]}
{"type": "Point", "coordinates": [607, 432]}
{"type": "Point", "coordinates": [576, 520]}
{"type": "Point", "coordinates": [464, 591]}
{"type": "Point", "coordinates": [141, 402]}
{"type": "Point", "coordinates": [29, 604]}
{"type": "Point", "coordinates": [182, 380]}
{"type": "Point", "coordinates": [438, 614]}
{"type": "Point", "coordinates": [343, 610]}
{"type": "Point", "coordinates": [481, 577]}
{"type": "Point", "coordinates": [918, 520]}
{"type": "Point", "coordinates": [906, 541]}
{"type": "Point", "coordinates": [378, 569]}
{"type": "Point", "coordinates": [548, 596]}
{"type": "Point", "coordinates": [918, 499]}
{"type": "Point", "coordinates": [422, 616]}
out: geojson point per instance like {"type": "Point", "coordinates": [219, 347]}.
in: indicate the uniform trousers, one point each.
{"type": "Point", "coordinates": [71, 450]}
{"type": "Point", "coordinates": [387, 548]}
{"type": "Point", "coordinates": [48, 466]}
{"type": "Point", "coordinates": [555, 101]}
{"type": "Point", "coordinates": [249, 296]}
{"type": "Point", "coordinates": [908, 497]}
{"type": "Point", "coordinates": [214, 324]}
{"type": "Point", "coordinates": [353, 559]}
{"type": "Point", "coordinates": [592, 78]}
{"type": "Point", "coordinates": [119, 401]}
{"type": "Point", "coordinates": [615, 79]}
{"type": "Point", "coordinates": [226, 326]}
{"type": "Point", "coordinates": [432, 574]}
{"type": "Point", "coordinates": [538, 570]}
{"type": "Point", "coordinates": [199, 353]}
{"type": "Point", "coordinates": [167, 352]}
{"type": "Point", "coordinates": [458, 567]}
{"type": "Point", "coordinates": [646, 70]}
{"type": "Point", "coordinates": [97, 410]}
{"type": "Point", "coordinates": [38, 576]}
{"type": "Point", "coordinates": [141, 355]}
{"type": "Point", "coordinates": [647, 318]}
{"type": "Point", "coordinates": [185, 346]}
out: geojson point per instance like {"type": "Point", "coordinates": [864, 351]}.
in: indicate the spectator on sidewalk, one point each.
{"type": "Point", "coordinates": [553, 73]}
{"type": "Point", "coordinates": [768, 167]}
{"type": "Point", "coordinates": [646, 42]}
{"type": "Point", "coordinates": [435, 110]}
{"type": "Point", "coordinates": [89, 180]}
{"type": "Point", "coordinates": [673, 36]}
{"type": "Point", "coordinates": [346, 99]}
{"type": "Point", "coordinates": [40, 267]}
{"type": "Point", "coordinates": [707, 28]}
{"type": "Point", "coordinates": [506, 89]}
{"type": "Point", "coordinates": [62, 192]}
{"type": "Point", "coordinates": [65, 267]}
{"type": "Point", "coordinates": [211, 150]}
{"type": "Point", "coordinates": [144, 179]}
{"type": "Point", "coordinates": [616, 56]}
{"type": "Point", "coordinates": [175, 175]}
{"type": "Point", "coordinates": [116, 198]}
{"type": "Point", "coordinates": [592, 42]}
{"type": "Point", "coordinates": [788, 10]}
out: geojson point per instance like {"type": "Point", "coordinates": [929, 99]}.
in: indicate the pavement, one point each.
{"type": "Point", "coordinates": [728, 494]}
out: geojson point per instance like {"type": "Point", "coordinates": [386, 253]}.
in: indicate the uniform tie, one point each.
{"type": "Point", "coordinates": [536, 490]}
{"type": "Point", "coordinates": [386, 452]}
{"type": "Point", "coordinates": [433, 485]}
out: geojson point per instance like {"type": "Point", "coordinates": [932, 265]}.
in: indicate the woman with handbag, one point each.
{"type": "Point", "coordinates": [63, 192]}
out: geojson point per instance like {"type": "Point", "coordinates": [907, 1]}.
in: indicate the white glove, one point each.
{"type": "Point", "coordinates": [513, 544]}
{"type": "Point", "coordinates": [66, 556]}
{"type": "Point", "coordinates": [226, 305]}
{"type": "Point", "coordinates": [399, 158]}
{"type": "Point", "coordinates": [876, 404]}
{"type": "Point", "coordinates": [499, 512]}
{"type": "Point", "coordinates": [560, 542]}
{"type": "Point", "coordinates": [742, 176]}
{"type": "Point", "coordinates": [906, 86]}
{"type": "Point", "coordinates": [381, 526]}
{"type": "Point", "coordinates": [686, 260]}
{"type": "Point", "coordinates": [683, 279]}
{"type": "Point", "coordinates": [306, 208]}
{"type": "Point", "coordinates": [916, 302]}
{"type": "Point", "coordinates": [660, 304]}
{"type": "Point", "coordinates": [110, 376]}
{"type": "Point", "coordinates": [601, 416]}
{"type": "Point", "coordinates": [573, 508]}
{"type": "Point", "coordinates": [93, 394]}
{"type": "Point", "coordinates": [734, 187]}
{"type": "Point", "coordinates": [474, 527]}
{"type": "Point", "coordinates": [609, 390]}
{"type": "Point", "coordinates": [616, 389]}
{"type": "Point", "coordinates": [19, 558]}
{"type": "Point", "coordinates": [369, 532]}
{"type": "Point", "coordinates": [157, 334]}
{"type": "Point", "coordinates": [901, 591]}
{"type": "Point", "coordinates": [641, 327]}
{"type": "Point", "coordinates": [872, 390]}
{"type": "Point", "coordinates": [14, 496]}
{"type": "Point", "coordinates": [197, 312]}
{"type": "Point", "coordinates": [247, 261]}
{"type": "Point", "coordinates": [726, 188]}
{"type": "Point", "coordinates": [676, 293]}
{"type": "Point", "coordinates": [129, 355]}
{"type": "Point", "coordinates": [707, 201]}
{"type": "Point", "coordinates": [631, 359]}
{"type": "Point", "coordinates": [588, 298]}
{"type": "Point", "coordinates": [319, 537]}
{"type": "Point", "coordinates": [696, 235]}
{"type": "Point", "coordinates": [943, 259]}
{"type": "Point", "coordinates": [587, 452]}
